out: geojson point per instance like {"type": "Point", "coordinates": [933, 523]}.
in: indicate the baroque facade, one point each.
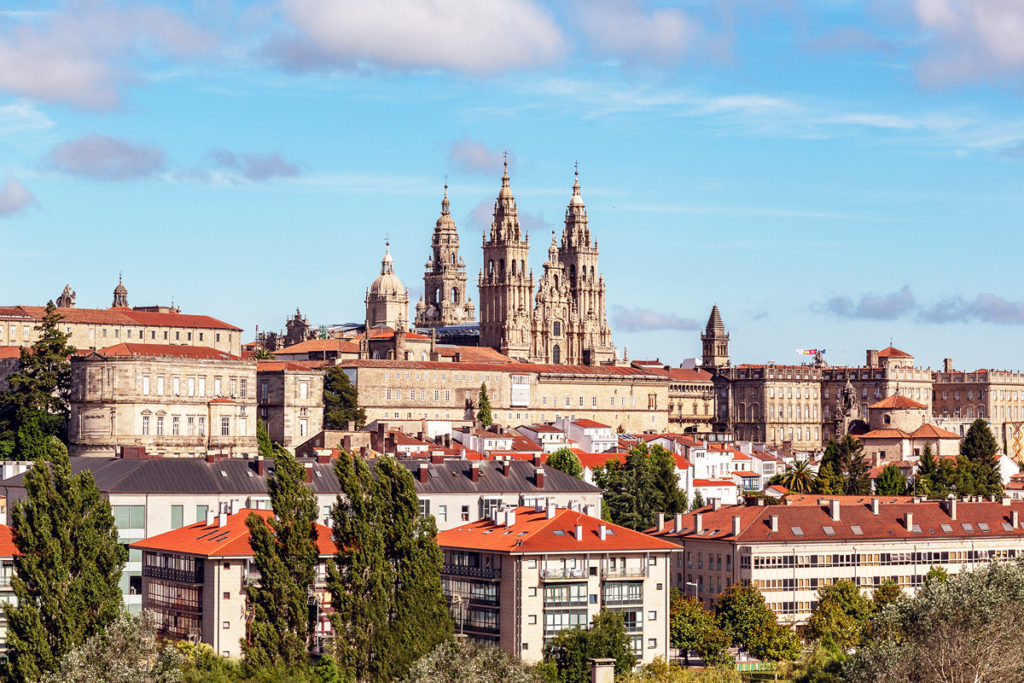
{"type": "Point", "coordinates": [444, 300]}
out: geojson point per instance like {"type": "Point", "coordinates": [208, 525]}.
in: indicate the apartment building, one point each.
{"type": "Point", "coordinates": [290, 400]}
{"type": "Point", "coordinates": [172, 401]}
{"type": "Point", "coordinates": [409, 392]}
{"type": "Point", "coordinates": [7, 552]}
{"type": "Point", "coordinates": [790, 551]}
{"type": "Point", "coordinates": [195, 580]}
{"type": "Point", "coordinates": [518, 577]}
{"type": "Point", "coordinates": [589, 435]}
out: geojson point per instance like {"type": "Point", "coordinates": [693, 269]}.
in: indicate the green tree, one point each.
{"type": "Point", "coordinates": [891, 482]}
{"type": "Point", "coordinates": [484, 413]}
{"type": "Point", "coordinates": [978, 465]}
{"type": "Point", "coordinates": [263, 442]}
{"type": "Point", "coordinates": [36, 406]}
{"type": "Point", "coordinates": [571, 650]}
{"type": "Point", "coordinates": [262, 353]}
{"type": "Point", "coordinates": [698, 501]}
{"type": "Point", "coordinates": [564, 460]}
{"type": "Point", "coordinates": [744, 616]}
{"type": "Point", "coordinates": [637, 489]}
{"type": "Point", "coordinates": [66, 575]}
{"type": "Point", "coordinates": [285, 553]}
{"type": "Point", "coordinates": [126, 651]}
{"type": "Point", "coordinates": [854, 467]}
{"type": "Point", "coordinates": [798, 478]}
{"type": "Point", "coordinates": [341, 400]}
{"type": "Point", "coordinates": [889, 593]}
{"type": "Point", "coordinates": [829, 481]}
{"type": "Point", "coordinates": [693, 628]}
{"type": "Point", "coordinates": [385, 583]}
{"type": "Point", "coordinates": [936, 575]}
{"type": "Point", "coordinates": [841, 616]}
{"type": "Point", "coordinates": [461, 662]}
{"type": "Point", "coordinates": [926, 469]}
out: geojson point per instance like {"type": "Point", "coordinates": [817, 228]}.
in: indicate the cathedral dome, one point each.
{"type": "Point", "coordinates": [387, 282]}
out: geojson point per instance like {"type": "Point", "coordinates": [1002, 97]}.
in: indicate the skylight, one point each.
{"type": "Point", "coordinates": [829, 531]}
{"type": "Point", "coordinates": [968, 527]}
{"type": "Point", "coordinates": [983, 526]}
{"type": "Point", "coordinates": [947, 528]}
{"type": "Point", "coordinates": [223, 473]}
{"type": "Point", "coordinates": [797, 531]}
{"type": "Point", "coordinates": [917, 528]}
{"type": "Point", "coordinates": [559, 532]}
{"type": "Point", "coordinates": [857, 531]}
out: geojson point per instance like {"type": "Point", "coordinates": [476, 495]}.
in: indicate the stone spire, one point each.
{"type": "Point", "coordinates": [506, 216]}
{"type": "Point", "coordinates": [66, 298]}
{"type": "Point", "coordinates": [120, 294]}
{"type": "Point", "coordinates": [715, 342]}
{"type": "Point", "coordinates": [577, 232]}
{"type": "Point", "coordinates": [715, 321]}
{"type": "Point", "coordinates": [444, 301]}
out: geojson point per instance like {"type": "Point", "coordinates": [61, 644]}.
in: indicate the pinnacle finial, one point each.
{"type": "Point", "coordinates": [445, 210]}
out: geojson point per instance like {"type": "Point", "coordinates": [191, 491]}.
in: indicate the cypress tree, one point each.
{"type": "Point", "coordinates": [263, 442]}
{"type": "Point", "coordinates": [981, 475]}
{"type": "Point", "coordinates": [386, 587]}
{"type": "Point", "coordinates": [484, 414]}
{"type": "Point", "coordinates": [66, 577]}
{"type": "Point", "coordinates": [285, 553]}
{"type": "Point", "coordinates": [341, 400]}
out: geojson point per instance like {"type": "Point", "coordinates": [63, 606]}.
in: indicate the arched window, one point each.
{"type": "Point", "coordinates": [556, 328]}
{"type": "Point", "coordinates": [455, 295]}
{"type": "Point", "coordinates": [556, 282]}
{"type": "Point", "coordinates": [572, 272]}
{"type": "Point", "coordinates": [513, 266]}
{"type": "Point", "coordinates": [522, 266]}
{"type": "Point", "coordinates": [556, 354]}
{"type": "Point", "coordinates": [490, 267]}
{"type": "Point", "coordinates": [501, 266]}
{"type": "Point", "coordinates": [887, 419]}
{"type": "Point", "coordinates": [591, 273]}
{"type": "Point", "coordinates": [453, 258]}
{"type": "Point", "coordinates": [437, 296]}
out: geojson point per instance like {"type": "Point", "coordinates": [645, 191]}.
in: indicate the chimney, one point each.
{"type": "Point", "coordinates": [538, 475]}
{"type": "Point", "coordinates": [872, 358]}
{"type": "Point", "coordinates": [536, 459]}
{"type": "Point", "coordinates": [774, 519]}
{"type": "Point", "coordinates": [951, 507]}
{"type": "Point", "coordinates": [211, 457]}
{"type": "Point", "coordinates": [579, 532]}
{"type": "Point", "coordinates": [661, 521]}
{"type": "Point", "coordinates": [506, 468]}
{"type": "Point", "coordinates": [436, 458]}
{"type": "Point", "coordinates": [474, 471]}
{"type": "Point", "coordinates": [1006, 501]}
{"type": "Point", "coordinates": [947, 365]}
{"type": "Point", "coordinates": [698, 523]}
{"type": "Point", "coordinates": [550, 514]}
{"type": "Point", "coordinates": [510, 517]}
{"type": "Point", "coordinates": [222, 519]}
{"type": "Point", "coordinates": [678, 527]}
{"type": "Point", "coordinates": [1015, 519]}
{"type": "Point", "coordinates": [874, 506]}
{"type": "Point", "coordinates": [261, 466]}
{"type": "Point", "coordinates": [309, 472]}
{"type": "Point", "coordinates": [602, 532]}
{"type": "Point", "coordinates": [211, 517]}
{"type": "Point", "coordinates": [735, 526]}
{"type": "Point", "coordinates": [424, 474]}
{"type": "Point", "coordinates": [716, 503]}
{"type": "Point", "coordinates": [232, 506]}
{"type": "Point", "coordinates": [323, 456]}
{"type": "Point", "coordinates": [833, 509]}
{"type": "Point", "coordinates": [538, 506]}
{"type": "Point", "coordinates": [910, 521]}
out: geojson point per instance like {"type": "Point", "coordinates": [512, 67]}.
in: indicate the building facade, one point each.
{"type": "Point", "coordinates": [173, 401]}
{"type": "Point", "coordinates": [444, 300]}
{"type": "Point", "coordinates": [519, 577]}
{"type": "Point", "coordinates": [387, 299]}
{"type": "Point", "coordinates": [290, 400]}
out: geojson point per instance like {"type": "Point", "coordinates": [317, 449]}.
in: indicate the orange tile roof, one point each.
{"type": "Point", "coordinates": [745, 473]}
{"type": "Point", "coordinates": [533, 532]}
{"type": "Point", "coordinates": [590, 424]}
{"type": "Point", "coordinates": [10, 352]}
{"type": "Point", "coordinates": [897, 402]}
{"type": "Point", "coordinates": [230, 540]}
{"type": "Point", "coordinates": [597, 370]}
{"type": "Point", "coordinates": [885, 434]}
{"type": "Point", "coordinates": [289, 365]}
{"type": "Point", "coordinates": [713, 482]}
{"type": "Point", "coordinates": [120, 316]}
{"type": "Point", "coordinates": [339, 345]}
{"type": "Point", "coordinates": [7, 547]}
{"type": "Point", "coordinates": [129, 349]}
{"type": "Point", "coordinates": [816, 499]}
{"type": "Point", "coordinates": [929, 431]}
{"type": "Point", "coordinates": [893, 352]}
{"type": "Point", "coordinates": [473, 354]}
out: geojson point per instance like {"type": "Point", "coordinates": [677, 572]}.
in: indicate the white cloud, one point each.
{"type": "Point", "coordinates": [22, 116]}
{"type": "Point", "coordinates": [105, 158]}
{"type": "Point", "coordinates": [623, 28]}
{"type": "Point", "coordinates": [473, 156]}
{"type": "Point", "coordinates": [14, 197]}
{"type": "Point", "coordinates": [643, 319]}
{"type": "Point", "coordinates": [468, 36]}
{"type": "Point", "coordinates": [973, 39]}
{"type": "Point", "coordinates": [82, 56]}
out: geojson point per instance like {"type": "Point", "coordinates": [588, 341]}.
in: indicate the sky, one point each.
{"type": "Point", "coordinates": [832, 174]}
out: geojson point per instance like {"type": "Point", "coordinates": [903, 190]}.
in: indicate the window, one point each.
{"type": "Point", "coordinates": [191, 386]}
{"type": "Point", "coordinates": [177, 516]}
{"type": "Point", "coordinates": [202, 425]}
{"type": "Point", "coordinates": [202, 386]}
{"type": "Point", "coordinates": [129, 516]}
{"type": "Point", "coordinates": [191, 421]}
{"type": "Point", "coordinates": [160, 385]}
{"type": "Point", "coordinates": [201, 511]}
{"type": "Point", "coordinates": [244, 388]}
{"type": "Point", "coordinates": [303, 427]}
{"type": "Point", "coordinates": [216, 387]}
{"type": "Point", "coordinates": [176, 385]}
{"type": "Point", "coordinates": [243, 426]}
{"type": "Point", "coordinates": [424, 507]}
{"type": "Point", "coordinates": [442, 513]}
{"type": "Point", "coordinates": [225, 426]}
{"type": "Point", "coordinates": [145, 425]}
{"type": "Point", "coordinates": [145, 385]}
{"type": "Point", "coordinates": [303, 389]}
{"type": "Point", "coordinates": [159, 425]}
{"type": "Point", "coordinates": [175, 425]}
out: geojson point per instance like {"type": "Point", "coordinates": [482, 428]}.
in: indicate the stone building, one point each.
{"type": "Point", "coordinates": [290, 401]}
{"type": "Point", "coordinates": [518, 578]}
{"type": "Point", "coordinates": [444, 301]}
{"type": "Point", "coordinates": [691, 399]}
{"type": "Point", "coordinates": [298, 329]}
{"type": "Point", "coordinates": [405, 393]}
{"type": "Point", "coordinates": [387, 299]}
{"type": "Point", "coordinates": [996, 395]}
{"type": "Point", "coordinates": [173, 401]}
{"type": "Point", "coordinates": [96, 328]}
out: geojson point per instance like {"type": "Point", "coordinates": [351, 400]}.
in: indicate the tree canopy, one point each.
{"type": "Point", "coordinates": [891, 482]}
{"type": "Point", "coordinates": [693, 628]}
{"type": "Point", "coordinates": [743, 615]}
{"type": "Point", "coordinates": [571, 650]}
{"type": "Point", "coordinates": [341, 400]}
{"type": "Point", "coordinates": [484, 403]}
{"type": "Point", "coordinates": [564, 460]}
{"type": "Point", "coordinates": [843, 469]}
{"type": "Point", "coordinates": [637, 489]}
{"type": "Point", "coordinates": [842, 614]}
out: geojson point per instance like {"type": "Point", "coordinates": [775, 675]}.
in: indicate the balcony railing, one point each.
{"type": "Point", "coordinates": [563, 574]}
{"type": "Point", "coordinates": [178, 575]}
{"type": "Point", "coordinates": [624, 573]}
{"type": "Point", "coordinates": [472, 572]}
{"type": "Point", "coordinates": [623, 600]}
{"type": "Point", "coordinates": [579, 603]}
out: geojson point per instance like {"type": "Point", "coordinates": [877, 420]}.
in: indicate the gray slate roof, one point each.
{"type": "Point", "coordinates": [236, 475]}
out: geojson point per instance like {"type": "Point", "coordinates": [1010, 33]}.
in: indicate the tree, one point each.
{"type": "Point", "coordinates": [691, 627]}
{"type": "Point", "coordinates": [263, 442]}
{"type": "Point", "coordinates": [637, 489]}
{"type": "Point", "coordinates": [564, 460]}
{"type": "Point", "coordinates": [839, 620]}
{"type": "Point", "coordinates": [262, 353]}
{"type": "Point", "coordinates": [744, 616]}
{"type": "Point", "coordinates": [829, 481]}
{"type": "Point", "coordinates": [484, 413]}
{"type": "Point", "coordinates": [926, 469]}
{"type": "Point", "coordinates": [460, 661]}
{"type": "Point", "coordinates": [341, 400]}
{"type": "Point", "coordinates": [385, 582]}
{"type": "Point", "coordinates": [889, 593]}
{"type": "Point", "coordinates": [799, 478]}
{"type": "Point", "coordinates": [966, 628]}
{"type": "Point", "coordinates": [891, 482]}
{"type": "Point", "coordinates": [36, 406]}
{"type": "Point", "coordinates": [571, 650]}
{"type": "Point", "coordinates": [978, 465]}
{"type": "Point", "coordinates": [698, 501]}
{"type": "Point", "coordinates": [126, 651]}
{"type": "Point", "coordinates": [66, 575]}
{"type": "Point", "coordinates": [853, 466]}
{"type": "Point", "coordinates": [936, 575]}
{"type": "Point", "coordinates": [285, 553]}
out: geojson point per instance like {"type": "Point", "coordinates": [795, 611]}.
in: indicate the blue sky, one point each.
{"type": "Point", "coordinates": [832, 174]}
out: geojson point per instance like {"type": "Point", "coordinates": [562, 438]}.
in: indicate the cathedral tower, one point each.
{"type": "Point", "coordinates": [444, 299]}
{"type": "Point", "coordinates": [120, 294]}
{"type": "Point", "coordinates": [506, 285]}
{"type": "Point", "coordinates": [715, 343]}
{"type": "Point", "coordinates": [387, 299]}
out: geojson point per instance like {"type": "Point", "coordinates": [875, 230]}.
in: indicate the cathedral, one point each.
{"type": "Point", "coordinates": [561, 320]}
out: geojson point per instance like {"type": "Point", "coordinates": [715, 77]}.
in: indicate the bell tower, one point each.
{"type": "Point", "coordinates": [715, 343]}
{"type": "Point", "coordinates": [444, 299]}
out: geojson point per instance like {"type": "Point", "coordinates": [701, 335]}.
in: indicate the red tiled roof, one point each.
{"type": "Point", "coordinates": [121, 316]}
{"type": "Point", "coordinates": [230, 540]}
{"type": "Point", "coordinates": [745, 473]}
{"type": "Point", "coordinates": [533, 532]}
{"type": "Point", "coordinates": [547, 429]}
{"type": "Point", "coordinates": [473, 354]}
{"type": "Point", "coordinates": [893, 352]}
{"type": "Point", "coordinates": [590, 424]}
{"type": "Point", "coordinates": [129, 349]}
{"type": "Point", "coordinates": [289, 365]}
{"type": "Point", "coordinates": [888, 524]}
{"type": "Point", "coordinates": [339, 345]}
{"type": "Point", "coordinates": [598, 370]}
{"type": "Point", "coordinates": [897, 402]}
{"type": "Point", "coordinates": [713, 482]}
{"type": "Point", "coordinates": [885, 434]}
{"type": "Point", "coordinates": [817, 499]}
{"type": "Point", "coordinates": [929, 431]}
{"type": "Point", "coordinates": [7, 547]}
{"type": "Point", "coordinates": [10, 352]}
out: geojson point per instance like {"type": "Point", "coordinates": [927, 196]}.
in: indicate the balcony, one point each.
{"type": "Point", "coordinates": [177, 575]}
{"type": "Point", "coordinates": [563, 574]}
{"type": "Point", "coordinates": [622, 600]}
{"type": "Point", "coordinates": [624, 573]}
{"type": "Point", "coordinates": [472, 572]}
